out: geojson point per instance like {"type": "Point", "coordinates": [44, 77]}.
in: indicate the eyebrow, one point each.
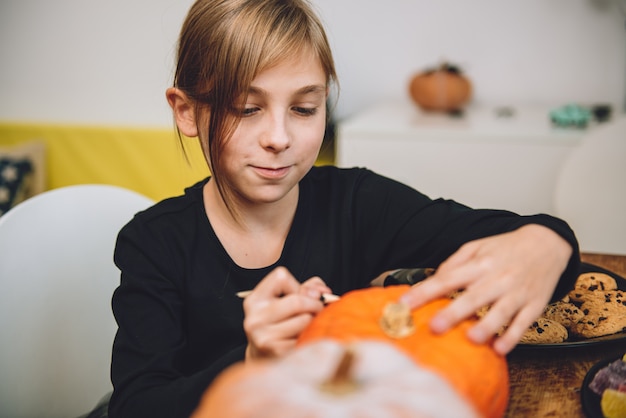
{"type": "Point", "coordinates": [314, 88]}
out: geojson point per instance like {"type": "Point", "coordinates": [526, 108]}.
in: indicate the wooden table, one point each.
{"type": "Point", "coordinates": [546, 383]}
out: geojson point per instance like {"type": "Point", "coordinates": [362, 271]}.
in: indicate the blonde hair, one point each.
{"type": "Point", "coordinates": [224, 44]}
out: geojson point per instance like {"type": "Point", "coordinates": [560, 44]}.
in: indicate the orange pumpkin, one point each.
{"type": "Point", "coordinates": [443, 89]}
{"type": "Point", "coordinates": [323, 379]}
{"type": "Point", "coordinates": [476, 371]}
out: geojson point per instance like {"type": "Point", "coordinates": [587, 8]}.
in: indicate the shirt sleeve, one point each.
{"type": "Point", "coordinates": [399, 227]}
{"type": "Point", "coordinates": [148, 364]}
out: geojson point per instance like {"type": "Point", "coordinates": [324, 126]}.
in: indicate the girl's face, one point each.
{"type": "Point", "coordinates": [280, 133]}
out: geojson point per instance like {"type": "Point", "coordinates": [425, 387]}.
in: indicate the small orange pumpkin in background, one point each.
{"type": "Point", "coordinates": [476, 371]}
{"type": "Point", "coordinates": [369, 379]}
{"type": "Point", "coordinates": [444, 89]}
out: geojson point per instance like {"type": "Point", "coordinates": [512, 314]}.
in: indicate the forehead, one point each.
{"type": "Point", "coordinates": [302, 68]}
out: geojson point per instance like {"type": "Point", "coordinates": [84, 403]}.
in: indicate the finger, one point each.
{"type": "Point", "coordinates": [266, 314]}
{"type": "Point", "coordinates": [427, 290]}
{"type": "Point", "coordinates": [465, 252]}
{"type": "Point", "coordinates": [292, 327]}
{"type": "Point", "coordinates": [492, 323]}
{"type": "Point", "coordinates": [447, 278]}
{"type": "Point", "coordinates": [314, 288]}
{"type": "Point", "coordinates": [314, 281]}
{"type": "Point", "coordinates": [476, 297]}
{"type": "Point", "coordinates": [277, 283]}
{"type": "Point", "coordinates": [277, 338]}
{"type": "Point", "coordinates": [296, 304]}
{"type": "Point", "coordinates": [514, 332]}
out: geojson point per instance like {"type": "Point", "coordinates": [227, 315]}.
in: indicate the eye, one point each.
{"type": "Point", "coordinates": [305, 111]}
{"type": "Point", "coordinates": [249, 111]}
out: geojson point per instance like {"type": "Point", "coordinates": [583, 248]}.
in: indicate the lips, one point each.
{"type": "Point", "coordinates": [272, 173]}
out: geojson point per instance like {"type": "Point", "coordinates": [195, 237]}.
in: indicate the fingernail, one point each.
{"type": "Point", "coordinates": [438, 324]}
{"type": "Point", "coordinates": [501, 347]}
{"type": "Point", "coordinates": [477, 335]}
{"type": "Point", "coordinates": [405, 299]}
{"type": "Point", "coordinates": [315, 294]}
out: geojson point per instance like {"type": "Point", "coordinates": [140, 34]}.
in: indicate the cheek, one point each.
{"type": "Point", "coordinates": [309, 145]}
{"type": "Point", "coordinates": [313, 135]}
{"type": "Point", "coordinates": [233, 154]}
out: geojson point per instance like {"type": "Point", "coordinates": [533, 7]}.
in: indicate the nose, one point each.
{"type": "Point", "coordinates": [276, 136]}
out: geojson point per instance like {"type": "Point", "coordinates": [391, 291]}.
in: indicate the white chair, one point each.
{"type": "Point", "coordinates": [591, 189]}
{"type": "Point", "coordinates": [57, 276]}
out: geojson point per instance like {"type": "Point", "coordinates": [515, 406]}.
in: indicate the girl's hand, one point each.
{"type": "Point", "coordinates": [515, 273]}
{"type": "Point", "coordinates": [277, 311]}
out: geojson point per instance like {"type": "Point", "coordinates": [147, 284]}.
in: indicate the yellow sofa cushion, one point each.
{"type": "Point", "coordinates": [150, 161]}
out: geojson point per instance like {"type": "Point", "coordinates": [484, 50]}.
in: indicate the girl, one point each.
{"type": "Point", "coordinates": [251, 83]}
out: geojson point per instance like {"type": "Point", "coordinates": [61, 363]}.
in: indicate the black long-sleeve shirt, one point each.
{"type": "Point", "coordinates": [180, 321]}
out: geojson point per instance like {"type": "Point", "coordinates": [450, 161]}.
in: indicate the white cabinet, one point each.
{"type": "Point", "coordinates": [480, 159]}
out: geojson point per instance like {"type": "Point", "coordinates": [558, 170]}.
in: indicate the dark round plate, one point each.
{"type": "Point", "coordinates": [607, 339]}
{"type": "Point", "coordinates": [589, 399]}
{"type": "Point", "coordinates": [592, 268]}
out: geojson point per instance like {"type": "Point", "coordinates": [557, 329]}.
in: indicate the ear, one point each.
{"type": "Point", "coordinates": [184, 111]}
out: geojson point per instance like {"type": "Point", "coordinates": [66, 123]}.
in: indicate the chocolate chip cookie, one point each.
{"type": "Point", "coordinates": [595, 281]}
{"type": "Point", "coordinates": [604, 314]}
{"type": "Point", "coordinates": [564, 313]}
{"type": "Point", "coordinates": [544, 331]}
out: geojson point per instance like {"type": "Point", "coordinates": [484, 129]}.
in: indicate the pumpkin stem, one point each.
{"type": "Point", "coordinates": [396, 321]}
{"type": "Point", "coordinates": [342, 382]}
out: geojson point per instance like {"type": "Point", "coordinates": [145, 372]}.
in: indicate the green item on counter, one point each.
{"type": "Point", "coordinates": [571, 115]}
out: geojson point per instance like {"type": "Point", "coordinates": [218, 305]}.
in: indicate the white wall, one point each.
{"type": "Point", "coordinates": [109, 62]}
{"type": "Point", "coordinates": [88, 61]}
